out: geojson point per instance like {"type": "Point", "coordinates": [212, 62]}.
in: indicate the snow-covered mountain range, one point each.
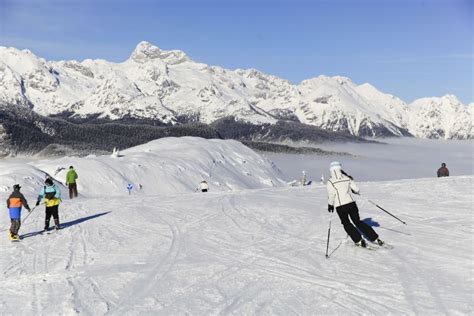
{"type": "Point", "coordinates": [168, 86]}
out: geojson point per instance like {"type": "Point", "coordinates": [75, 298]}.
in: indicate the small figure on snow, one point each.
{"type": "Point", "coordinates": [115, 153]}
{"type": "Point", "coordinates": [203, 186]}
{"type": "Point", "coordinates": [14, 203]}
{"type": "Point", "coordinates": [52, 199]}
{"type": "Point", "coordinates": [130, 188]}
{"type": "Point", "coordinates": [443, 171]}
{"type": "Point", "coordinates": [304, 178]}
{"type": "Point", "coordinates": [339, 188]}
{"type": "Point", "coordinates": [71, 178]}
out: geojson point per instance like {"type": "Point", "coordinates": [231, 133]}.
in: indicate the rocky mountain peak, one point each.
{"type": "Point", "coordinates": [145, 52]}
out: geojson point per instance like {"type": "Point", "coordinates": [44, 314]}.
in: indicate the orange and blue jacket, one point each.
{"type": "Point", "coordinates": [14, 203]}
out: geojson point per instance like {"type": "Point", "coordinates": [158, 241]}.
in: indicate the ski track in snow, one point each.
{"type": "Point", "coordinates": [246, 252]}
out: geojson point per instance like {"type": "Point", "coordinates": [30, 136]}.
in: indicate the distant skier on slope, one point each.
{"type": "Point", "coordinates": [443, 171]}
{"type": "Point", "coordinates": [303, 179]}
{"type": "Point", "coordinates": [339, 188]}
{"type": "Point", "coordinates": [52, 199]}
{"type": "Point", "coordinates": [203, 186]}
{"type": "Point", "coordinates": [14, 203]}
{"type": "Point", "coordinates": [71, 178]}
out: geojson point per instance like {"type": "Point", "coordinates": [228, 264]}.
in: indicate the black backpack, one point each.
{"type": "Point", "coordinates": [49, 195]}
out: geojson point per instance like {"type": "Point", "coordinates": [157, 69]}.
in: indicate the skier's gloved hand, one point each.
{"type": "Point", "coordinates": [355, 192]}
{"type": "Point", "coordinates": [37, 203]}
{"type": "Point", "coordinates": [330, 208]}
{"type": "Point", "coordinates": [29, 210]}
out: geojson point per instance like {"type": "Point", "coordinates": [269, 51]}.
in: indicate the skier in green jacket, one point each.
{"type": "Point", "coordinates": [71, 178]}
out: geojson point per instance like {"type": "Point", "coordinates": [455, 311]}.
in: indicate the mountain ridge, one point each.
{"type": "Point", "coordinates": [167, 86]}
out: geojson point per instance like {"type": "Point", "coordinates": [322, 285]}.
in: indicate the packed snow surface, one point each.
{"type": "Point", "coordinates": [233, 250]}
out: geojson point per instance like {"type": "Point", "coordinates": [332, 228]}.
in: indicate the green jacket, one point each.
{"type": "Point", "coordinates": [71, 176]}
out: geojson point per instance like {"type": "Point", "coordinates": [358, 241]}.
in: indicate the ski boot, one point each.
{"type": "Point", "coordinates": [46, 226]}
{"type": "Point", "coordinates": [380, 242]}
{"type": "Point", "coordinates": [362, 243]}
{"type": "Point", "coordinates": [14, 237]}
{"type": "Point", "coordinates": [56, 224]}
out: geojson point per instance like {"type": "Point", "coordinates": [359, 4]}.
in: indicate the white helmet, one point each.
{"type": "Point", "coordinates": [335, 165]}
{"type": "Point", "coordinates": [335, 168]}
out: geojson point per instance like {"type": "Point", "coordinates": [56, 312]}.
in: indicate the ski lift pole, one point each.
{"type": "Point", "coordinates": [386, 211]}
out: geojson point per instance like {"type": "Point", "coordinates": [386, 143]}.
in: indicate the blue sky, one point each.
{"type": "Point", "coordinates": [408, 48]}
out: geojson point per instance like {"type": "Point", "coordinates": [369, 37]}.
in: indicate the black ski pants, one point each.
{"type": "Point", "coordinates": [72, 190]}
{"type": "Point", "coordinates": [351, 210]}
{"type": "Point", "coordinates": [51, 211]}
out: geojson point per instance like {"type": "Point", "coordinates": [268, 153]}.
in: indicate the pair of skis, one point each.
{"type": "Point", "coordinates": [368, 247]}
{"type": "Point", "coordinates": [51, 231]}
{"type": "Point", "coordinates": [375, 246]}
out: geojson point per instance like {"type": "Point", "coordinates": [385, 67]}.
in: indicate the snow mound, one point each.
{"type": "Point", "coordinates": [164, 166]}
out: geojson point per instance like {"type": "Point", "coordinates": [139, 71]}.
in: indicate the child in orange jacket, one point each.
{"type": "Point", "coordinates": [14, 203]}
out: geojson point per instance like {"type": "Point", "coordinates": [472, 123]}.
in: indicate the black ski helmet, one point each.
{"type": "Point", "coordinates": [48, 181]}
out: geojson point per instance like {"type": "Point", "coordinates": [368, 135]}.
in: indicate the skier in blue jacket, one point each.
{"type": "Point", "coordinates": [52, 199]}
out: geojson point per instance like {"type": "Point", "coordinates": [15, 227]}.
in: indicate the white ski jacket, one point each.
{"type": "Point", "coordinates": [339, 188]}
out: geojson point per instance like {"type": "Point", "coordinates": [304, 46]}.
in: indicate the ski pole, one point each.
{"type": "Point", "coordinates": [387, 212]}
{"type": "Point", "coordinates": [29, 213]}
{"type": "Point", "coordinates": [329, 234]}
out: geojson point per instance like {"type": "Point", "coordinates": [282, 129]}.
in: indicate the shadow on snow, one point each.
{"type": "Point", "coordinates": [67, 224]}
{"type": "Point", "coordinates": [83, 219]}
{"type": "Point", "coordinates": [369, 221]}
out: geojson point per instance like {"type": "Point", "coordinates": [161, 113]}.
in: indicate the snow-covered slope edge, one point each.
{"type": "Point", "coordinates": [169, 87]}
{"type": "Point", "coordinates": [168, 165]}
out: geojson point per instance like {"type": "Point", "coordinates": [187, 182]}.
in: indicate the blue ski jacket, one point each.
{"type": "Point", "coordinates": [51, 194]}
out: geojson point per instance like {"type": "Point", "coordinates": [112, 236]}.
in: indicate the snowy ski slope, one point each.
{"type": "Point", "coordinates": [238, 251]}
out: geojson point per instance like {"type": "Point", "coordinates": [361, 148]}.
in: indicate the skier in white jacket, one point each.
{"type": "Point", "coordinates": [339, 188]}
{"type": "Point", "coordinates": [203, 186]}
